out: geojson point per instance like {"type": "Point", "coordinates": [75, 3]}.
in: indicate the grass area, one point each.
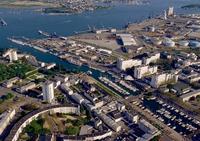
{"type": "Point", "coordinates": [6, 97]}
{"type": "Point", "coordinates": [36, 128]}
{"type": "Point", "coordinates": [106, 89]}
{"type": "Point", "coordinates": [19, 69]}
{"type": "Point", "coordinates": [198, 98]}
{"type": "Point", "coordinates": [74, 126]}
{"type": "Point", "coordinates": [72, 130]}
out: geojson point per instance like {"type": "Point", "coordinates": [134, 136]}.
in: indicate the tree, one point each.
{"type": "Point", "coordinates": [71, 130]}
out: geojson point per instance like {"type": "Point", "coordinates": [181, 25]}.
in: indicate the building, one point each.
{"type": "Point", "coordinates": [62, 78]}
{"type": "Point", "coordinates": [181, 88]}
{"type": "Point", "coordinates": [26, 87]}
{"type": "Point", "coordinates": [116, 115]}
{"type": "Point", "coordinates": [108, 121]}
{"type": "Point", "coordinates": [12, 54]}
{"type": "Point", "coordinates": [32, 60]}
{"type": "Point", "coordinates": [105, 51]}
{"type": "Point", "coordinates": [78, 98]}
{"type": "Point", "coordinates": [190, 77]}
{"type": "Point", "coordinates": [149, 129]}
{"type": "Point", "coordinates": [170, 11]}
{"type": "Point", "coordinates": [50, 66]}
{"type": "Point", "coordinates": [125, 64]}
{"type": "Point", "coordinates": [151, 58]}
{"type": "Point", "coordinates": [168, 42]}
{"type": "Point", "coordinates": [48, 91]}
{"type": "Point", "coordinates": [18, 127]}
{"type": "Point", "coordinates": [126, 39]}
{"type": "Point", "coordinates": [5, 119]}
{"type": "Point", "coordinates": [186, 97]}
{"type": "Point", "coordinates": [66, 89]}
{"type": "Point", "coordinates": [9, 83]}
{"type": "Point", "coordinates": [143, 71]}
{"type": "Point", "coordinates": [132, 117]}
{"type": "Point", "coordinates": [162, 79]}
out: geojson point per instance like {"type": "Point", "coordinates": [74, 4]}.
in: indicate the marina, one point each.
{"type": "Point", "coordinates": [172, 117]}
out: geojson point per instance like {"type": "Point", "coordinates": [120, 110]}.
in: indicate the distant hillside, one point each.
{"type": "Point", "coordinates": [26, 3]}
{"type": "Point", "coordinates": [191, 6]}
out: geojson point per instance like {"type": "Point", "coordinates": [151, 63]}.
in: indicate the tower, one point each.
{"type": "Point", "coordinates": [48, 91]}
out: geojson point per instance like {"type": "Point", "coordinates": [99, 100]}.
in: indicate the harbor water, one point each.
{"type": "Point", "coordinates": [27, 21]}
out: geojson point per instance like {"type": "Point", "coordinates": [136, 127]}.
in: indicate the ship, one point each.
{"type": "Point", "coordinates": [2, 22]}
{"type": "Point", "coordinates": [16, 41]}
{"type": "Point", "coordinates": [43, 33]}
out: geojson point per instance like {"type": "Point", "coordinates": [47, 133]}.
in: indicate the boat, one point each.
{"type": "Point", "coordinates": [177, 110]}
{"type": "Point", "coordinates": [174, 127]}
{"type": "Point", "coordinates": [169, 124]}
{"type": "Point", "coordinates": [2, 22]}
{"type": "Point", "coordinates": [89, 72]}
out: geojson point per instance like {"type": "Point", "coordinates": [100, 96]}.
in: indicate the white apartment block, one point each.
{"type": "Point", "coordinates": [162, 79]}
{"type": "Point", "coordinates": [143, 71]}
{"type": "Point", "coordinates": [125, 64]}
{"type": "Point", "coordinates": [151, 58]}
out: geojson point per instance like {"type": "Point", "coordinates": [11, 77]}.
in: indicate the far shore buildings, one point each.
{"type": "Point", "coordinates": [48, 91]}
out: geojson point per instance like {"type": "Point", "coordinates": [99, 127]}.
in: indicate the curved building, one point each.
{"type": "Point", "coordinates": [22, 123]}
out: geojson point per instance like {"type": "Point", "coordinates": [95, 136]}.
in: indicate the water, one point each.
{"type": "Point", "coordinates": [26, 22]}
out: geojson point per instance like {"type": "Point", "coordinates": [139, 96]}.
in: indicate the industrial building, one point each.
{"type": "Point", "coordinates": [126, 39]}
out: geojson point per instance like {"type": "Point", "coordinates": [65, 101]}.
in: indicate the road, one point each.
{"type": "Point", "coordinates": [146, 115]}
